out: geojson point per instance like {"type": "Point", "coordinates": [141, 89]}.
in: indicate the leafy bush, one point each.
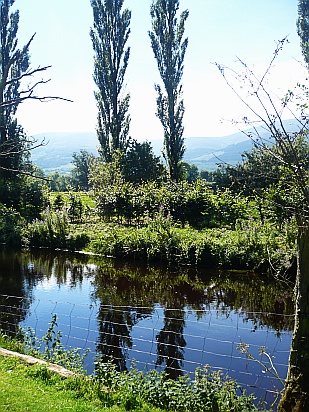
{"type": "Point", "coordinates": [11, 226]}
{"type": "Point", "coordinates": [77, 241]}
{"type": "Point", "coordinates": [209, 391]}
{"type": "Point", "coordinates": [49, 231]}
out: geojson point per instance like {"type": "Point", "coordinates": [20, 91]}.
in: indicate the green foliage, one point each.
{"type": "Point", "coordinates": [224, 177]}
{"type": "Point", "coordinates": [49, 231]}
{"type": "Point", "coordinates": [132, 390]}
{"type": "Point", "coordinates": [303, 27]}
{"type": "Point", "coordinates": [252, 245]}
{"type": "Point", "coordinates": [270, 173]}
{"type": "Point", "coordinates": [58, 202]}
{"type": "Point", "coordinates": [39, 389]}
{"type": "Point", "coordinates": [52, 230]}
{"type": "Point", "coordinates": [109, 36]}
{"type": "Point", "coordinates": [25, 194]}
{"type": "Point", "coordinates": [169, 50]}
{"type": "Point", "coordinates": [15, 344]}
{"type": "Point", "coordinates": [11, 226]}
{"type": "Point", "coordinates": [114, 391]}
{"type": "Point", "coordinates": [209, 391]}
{"type": "Point", "coordinates": [194, 204]}
{"type": "Point", "coordinates": [206, 175]}
{"type": "Point", "coordinates": [33, 197]}
{"type": "Point", "coordinates": [187, 203]}
{"type": "Point", "coordinates": [190, 172]}
{"type": "Point", "coordinates": [80, 173]}
{"type": "Point", "coordinates": [140, 164]}
{"type": "Point", "coordinates": [227, 208]}
{"type": "Point", "coordinates": [14, 63]}
{"type": "Point", "coordinates": [59, 182]}
{"type": "Point", "coordinates": [76, 208]}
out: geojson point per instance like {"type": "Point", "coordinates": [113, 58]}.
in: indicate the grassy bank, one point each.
{"type": "Point", "coordinates": [254, 247]}
{"type": "Point", "coordinates": [35, 388]}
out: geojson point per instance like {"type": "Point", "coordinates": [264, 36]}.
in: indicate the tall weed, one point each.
{"type": "Point", "coordinates": [50, 347]}
{"type": "Point", "coordinates": [49, 231]}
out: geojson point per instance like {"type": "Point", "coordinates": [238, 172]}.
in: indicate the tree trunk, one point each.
{"type": "Point", "coordinates": [296, 393]}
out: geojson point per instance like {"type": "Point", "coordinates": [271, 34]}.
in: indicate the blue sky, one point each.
{"type": "Point", "coordinates": [218, 31]}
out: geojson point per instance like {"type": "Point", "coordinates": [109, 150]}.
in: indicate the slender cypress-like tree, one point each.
{"type": "Point", "coordinates": [303, 27]}
{"type": "Point", "coordinates": [169, 50]}
{"type": "Point", "coordinates": [109, 36]}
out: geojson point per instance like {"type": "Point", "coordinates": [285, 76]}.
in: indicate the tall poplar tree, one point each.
{"type": "Point", "coordinates": [109, 35]}
{"type": "Point", "coordinates": [169, 50]}
{"type": "Point", "coordinates": [303, 27]}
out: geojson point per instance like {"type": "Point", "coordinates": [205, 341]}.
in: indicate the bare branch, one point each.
{"type": "Point", "coordinates": [267, 113]}
{"type": "Point", "coordinates": [24, 173]}
{"type": "Point", "coordinates": [31, 72]}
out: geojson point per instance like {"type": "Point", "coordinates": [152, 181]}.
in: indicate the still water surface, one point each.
{"type": "Point", "coordinates": [172, 320]}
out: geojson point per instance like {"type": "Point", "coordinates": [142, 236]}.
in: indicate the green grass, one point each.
{"type": "Point", "coordinates": [86, 199]}
{"type": "Point", "coordinates": [35, 388]}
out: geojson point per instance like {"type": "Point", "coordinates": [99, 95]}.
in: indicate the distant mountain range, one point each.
{"type": "Point", "coordinates": [205, 152]}
{"type": "Point", "coordinates": [55, 154]}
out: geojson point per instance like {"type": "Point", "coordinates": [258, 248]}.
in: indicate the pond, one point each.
{"type": "Point", "coordinates": [152, 317]}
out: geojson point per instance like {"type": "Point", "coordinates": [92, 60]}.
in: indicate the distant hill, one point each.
{"type": "Point", "coordinates": [204, 152]}
{"type": "Point", "coordinates": [56, 152]}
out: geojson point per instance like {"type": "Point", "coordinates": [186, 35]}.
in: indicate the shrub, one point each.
{"type": "Point", "coordinates": [208, 391]}
{"type": "Point", "coordinates": [77, 241]}
{"type": "Point", "coordinates": [50, 348]}
{"type": "Point", "coordinates": [11, 226]}
{"type": "Point", "coordinates": [49, 231]}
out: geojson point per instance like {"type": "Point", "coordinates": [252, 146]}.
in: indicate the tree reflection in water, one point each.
{"type": "Point", "coordinates": [20, 274]}
{"type": "Point", "coordinates": [114, 335]}
{"type": "Point", "coordinates": [125, 294]}
{"type": "Point", "coordinates": [16, 286]}
{"type": "Point", "coordinates": [171, 342]}
{"type": "Point", "coordinates": [120, 293]}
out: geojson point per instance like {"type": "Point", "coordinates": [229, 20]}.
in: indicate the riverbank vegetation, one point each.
{"type": "Point", "coordinates": [108, 388]}
{"type": "Point", "coordinates": [186, 224]}
{"type": "Point", "coordinates": [181, 224]}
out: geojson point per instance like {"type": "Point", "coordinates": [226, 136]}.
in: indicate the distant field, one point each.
{"type": "Point", "coordinates": [86, 199]}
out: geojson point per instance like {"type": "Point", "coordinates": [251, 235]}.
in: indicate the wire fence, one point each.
{"type": "Point", "coordinates": [176, 340]}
